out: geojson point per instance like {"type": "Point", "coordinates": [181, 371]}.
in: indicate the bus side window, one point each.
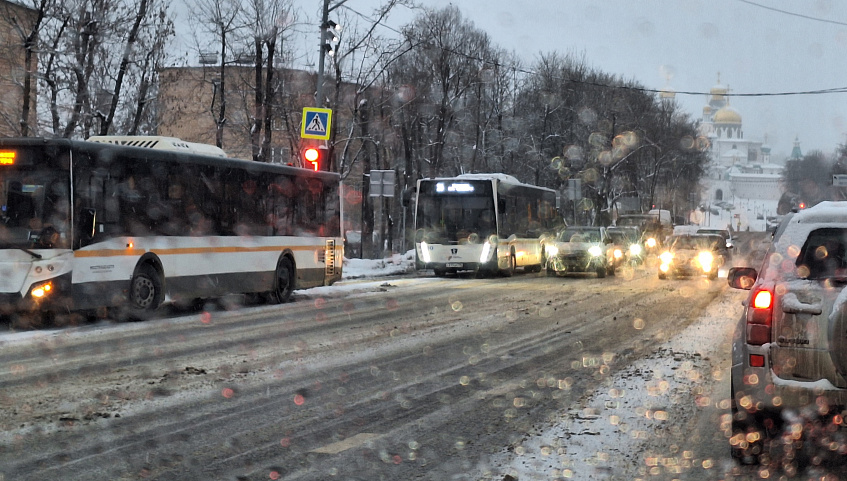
{"type": "Point", "coordinates": [283, 193]}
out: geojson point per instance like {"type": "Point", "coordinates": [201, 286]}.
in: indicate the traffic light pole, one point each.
{"type": "Point", "coordinates": [319, 95]}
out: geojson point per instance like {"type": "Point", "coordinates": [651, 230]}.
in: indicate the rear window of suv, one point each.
{"type": "Point", "coordinates": [823, 254]}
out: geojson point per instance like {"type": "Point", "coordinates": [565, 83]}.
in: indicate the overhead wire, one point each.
{"type": "Point", "coordinates": [515, 68]}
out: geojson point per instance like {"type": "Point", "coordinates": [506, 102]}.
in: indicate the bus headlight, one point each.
{"type": "Point", "coordinates": [425, 252]}
{"type": "Point", "coordinates": [595, 251]}
{"type": "Point", "coordinates": [486, 252]}
{"type": "Point", "coordinates": [635, 250]}
{"type": "Point", "coordinates": [41, 290]}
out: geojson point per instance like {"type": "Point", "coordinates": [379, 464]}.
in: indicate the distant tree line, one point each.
{"type": "Point", "coordinates": [808, 180]}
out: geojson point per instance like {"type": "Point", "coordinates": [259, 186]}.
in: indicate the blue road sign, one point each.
{"type": "Point", "coordinates": [316, 123]}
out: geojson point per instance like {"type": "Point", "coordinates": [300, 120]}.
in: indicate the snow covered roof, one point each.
{"type": "Point", "coordinates": [825, 212]}
{"type": "Point", "coordinates": [504, 178]}
{"type": "Point", "coordinates": [749, 176]}
{"type": "Point", "coordinates": [493, 175]}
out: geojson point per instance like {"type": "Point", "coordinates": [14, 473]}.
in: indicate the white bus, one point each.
{"type": "Point", "coordinates": [487, 223]}
{"type": "Point", "coordinates": [137, 222]}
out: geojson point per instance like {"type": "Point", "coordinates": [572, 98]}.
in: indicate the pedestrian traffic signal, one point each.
{"type": "Point", "coordinates": [312, 158]}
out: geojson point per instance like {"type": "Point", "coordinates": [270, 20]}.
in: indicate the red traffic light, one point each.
{"type": "Point", "coordinates": [313, 156]}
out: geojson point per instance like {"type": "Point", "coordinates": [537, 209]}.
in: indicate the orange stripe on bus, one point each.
{"type": "Point", "coordinates": [190, 250]}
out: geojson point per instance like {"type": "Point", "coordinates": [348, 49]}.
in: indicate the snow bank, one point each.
{"type": "Point", "coordinates": [631, 427]}
{"type": "Point", "coordinates": [363, 268]}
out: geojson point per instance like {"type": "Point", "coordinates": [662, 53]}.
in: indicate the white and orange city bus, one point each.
{"type": "Point", "coordinates": [141, 221]}
{"type": "Point", "coordinates": [486, 223]}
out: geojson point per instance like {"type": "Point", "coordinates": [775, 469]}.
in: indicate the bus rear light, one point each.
{"type": "Point", "coordinates": [759, 317]}
{"type": "Point", "coordinates": [757, 360]}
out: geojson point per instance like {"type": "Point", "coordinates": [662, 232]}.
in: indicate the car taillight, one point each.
{"type": "Point", "coordinates": [759, 317]}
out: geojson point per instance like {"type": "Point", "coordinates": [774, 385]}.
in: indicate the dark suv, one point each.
{"type": "Point", "coordinates": [789, 353]}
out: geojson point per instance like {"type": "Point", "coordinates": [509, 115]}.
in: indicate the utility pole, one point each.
{"type": "Point", "coordinates": [326, 28]}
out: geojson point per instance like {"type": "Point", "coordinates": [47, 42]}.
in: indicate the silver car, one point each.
{"type": "Point", "coordinates": [789, 353]}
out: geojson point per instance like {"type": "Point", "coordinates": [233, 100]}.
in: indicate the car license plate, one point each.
{"type": "Point", "coordinates": [454, 264]}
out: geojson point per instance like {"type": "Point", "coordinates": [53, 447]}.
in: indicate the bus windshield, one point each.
{"type": "Point", "coordinates": [454, 217]}
{"type": "Point", "coordinates": [34, 208]}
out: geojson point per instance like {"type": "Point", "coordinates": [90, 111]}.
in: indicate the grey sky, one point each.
{"type": "Point", "coordinates": [681, 44]}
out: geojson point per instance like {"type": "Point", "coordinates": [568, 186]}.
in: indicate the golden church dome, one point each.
{"type": "Point", "coordinates": [727, 115]}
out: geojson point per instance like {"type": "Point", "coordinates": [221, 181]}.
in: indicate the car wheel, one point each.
{"type": "Point", "coordinates": [439, 272]}
{"type": "Point", "coordinates": [601, 272]}
{"type": "Point", "coordinates": [662, 275]}
{"type": "Point", "coordinates": [713, 275]}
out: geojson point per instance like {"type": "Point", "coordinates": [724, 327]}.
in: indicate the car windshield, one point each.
{"type": "Point", "coordinates": [579, 235]}
{"type": "Point", "coordinates": [622, 237]}
{"type": "Point", "coordinates": [721, 233]}
{"type": "Point", "coordinates": [434, 240]}
{"type": "Point", "coordinates": [694, 242]}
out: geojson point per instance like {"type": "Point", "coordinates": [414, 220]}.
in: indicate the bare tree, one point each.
{"type": "Point", "coordinates": [26, 21]}
{"type": "Point", "coordinates": [270, 21]}
{"type": "Point", "coordinates": [217, 19]}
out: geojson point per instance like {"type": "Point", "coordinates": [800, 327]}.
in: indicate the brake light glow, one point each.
{"type": "Point", "coordinates": [7, 158]}
{"type": "Point", "coordinates": [759, 317]}
{"type": "Point", "coordinates": [763, 300]}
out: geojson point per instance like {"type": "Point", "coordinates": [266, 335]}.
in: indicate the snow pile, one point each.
{"type": "Point", "coordinates": [365, 268]}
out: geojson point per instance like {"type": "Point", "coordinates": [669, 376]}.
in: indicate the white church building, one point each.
{"type": "Point", "coordinates": [740, 168]}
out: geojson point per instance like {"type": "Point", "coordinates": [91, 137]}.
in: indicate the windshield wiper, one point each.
{"type": "Point", "coordinates": [33, 254]}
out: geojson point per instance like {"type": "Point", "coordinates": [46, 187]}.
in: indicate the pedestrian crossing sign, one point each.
{"type": "Point", "coordinates": [316, 123]}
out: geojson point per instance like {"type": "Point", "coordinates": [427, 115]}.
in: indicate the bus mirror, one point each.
{"type": "Point", "coordinates": [87, 224]}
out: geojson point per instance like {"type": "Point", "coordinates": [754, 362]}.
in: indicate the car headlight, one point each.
{"type": "Point", "coordinates": [705, 259]}
{"type": "Point", "coordinates": [635, 249]}
{"type": "Point", "coordinates": [425, 252]}
{"type": "Point", "coordinates": [618, 253]}
{"type": "Point", "coordinates": [486, 252]}
{"type": "Point", "coordinates": [651, 242]}
{"type": "Point", "coordinates": [595, 251]}
{"type": "Point", "coordinates": [551, 250]}
{"type": "Point", "coordinates": [666, 257]}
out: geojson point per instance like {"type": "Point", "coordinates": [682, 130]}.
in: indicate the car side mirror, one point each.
{"type": "Point", "coordinates": [742, 277]}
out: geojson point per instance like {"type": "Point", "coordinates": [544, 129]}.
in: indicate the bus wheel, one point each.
{"type": "Point", "coordinates": [146, 291]}
{"type": "Point", "coordinates": [283, 281]}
